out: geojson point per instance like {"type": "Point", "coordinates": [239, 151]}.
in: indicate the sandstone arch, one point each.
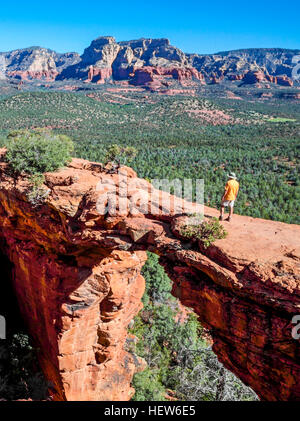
{"type": "Point", "coordinates": [77, 279]}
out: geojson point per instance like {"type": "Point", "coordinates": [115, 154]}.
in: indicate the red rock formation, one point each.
{"type": "Point", "coordinates": [253, 77]}
{"type": "Point", "coordinates": [77, 278]}
{"type": "Point", "coordinates": [234, 76]}
{"type": "Point", "coordinates": [284, 81]}
{"type": "Point", "coordinates": [77, 306]}
{"type": "Point", "coordinates": [156, 76]}
{"type": "Point", "coordinates": [272, 79]}
{"type": "Point", "coordinates": [142, 76]}
{"type": "Point", "coordinates": [98, 75]}
{"type": "Point", "coordinates": [183, 74]}
{"type": "Point", "coordinates": [215, 79]}
{"type": "Point", "coordinates": [27, 74]}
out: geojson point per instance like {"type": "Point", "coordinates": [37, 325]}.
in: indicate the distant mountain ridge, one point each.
{"type": "Point", "coordinates": [36, 62]}
{"type": "Point", "coordinates": [149, 61]}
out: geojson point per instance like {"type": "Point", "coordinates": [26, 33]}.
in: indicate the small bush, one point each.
{"type": "Point", "coordinates": [37, 193]}
{"type": "Point", "coordinates": [207, 231]}
{"type": "Point", "coordinates": [120, 155]}
{"type": "Point", "coordinates": [38, 151]}
{"type": "Point", "coordinates": [148, 386]}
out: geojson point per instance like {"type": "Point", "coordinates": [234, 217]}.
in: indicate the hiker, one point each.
{"type": "Point", "coordinates": [229, 196]}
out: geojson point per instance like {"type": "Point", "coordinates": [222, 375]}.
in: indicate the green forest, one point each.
{"type": "Point", "coordinates": [174, 140]}
{"type": "Point", "coordinates": [180, 137]}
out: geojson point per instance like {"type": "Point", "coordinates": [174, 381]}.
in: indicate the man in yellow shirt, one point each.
{"type": "Point", "coordinates": [229, 196]}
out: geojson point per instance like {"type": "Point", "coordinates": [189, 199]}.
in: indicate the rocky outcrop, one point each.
{"type": "Point", "coordinates": [147, 53]}
{"type": "Point", "coordinates": [140, 61]}
{"type": "Point", "coordinates": [272, 79]}
{"type": "Point", "coordinates": [36, 63]}
{"type": "Point", "coordinates": [29, 74]}
{"type": "Point", "coordinates": [215, 79]}
{"type": "Point", "coordinates": [77, 305]}
{"type": "Point", "coordinates": [271, 61]}
{"type": "Point", "coordinates": [254, 77]}
{"type": "Point", "coordinates": [259, 76]}
{"type": "Point", "coordinates": [76, 269]}
{"type": "Point", "coordinates": [62, 61]}
{"type": "Point", "coordinates": [100, 55]}
{"type": "Point", "coordinates": [99, 76]}
{"type": "Point", "coordinates": [158, 77]}
{"type": "Point", "coordinates": [235, 76]}
{"type": "Point", "coordinates": [284, 81]}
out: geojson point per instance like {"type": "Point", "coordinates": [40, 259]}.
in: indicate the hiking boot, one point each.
{"type": "Point", "coordinates": [228, 219]}
{"type": "Point", "coordinates": [221, 218]}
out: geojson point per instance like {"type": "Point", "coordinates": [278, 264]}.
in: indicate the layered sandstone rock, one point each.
{"type": "Point", "coordinates": [215, 79]}
{"type": "Point", "coordinates": [102, 52]}
{"type": "Point", "coordinates": [149, 52]}
{"type": "Point", "coordinates": [99, 76]}
{"type": "Point", "coordinates": [77, 261]}
{"type": "Point", "coordinates": [259, 76]}
{"type": "Point", "coordinates": [271, 61]}
{"type": "Point", "coordinates": [36, 63]}
{"type": "Point", "coordinates": [235, 76]}
{"type": "Point", "coordinates": [254, 77]}
{"type": "Point", "coordinates": [100, 55]}
{"type": "Point", "coordinates": [284, 81]}
{"type": "Point", "coordinates": [48, 75]}
{"type": "Point", "coordinates": [158, 77]}
{"type": "Point", "coordinates": [77, 306]}
{"type": "Point", "coordinates": [140, 61]}
{"type": "Point", "coordinates": [121, 60]}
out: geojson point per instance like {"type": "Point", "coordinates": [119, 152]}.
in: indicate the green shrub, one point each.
{"type": "Point", "coordinates": [120, 155]}
{"type": "Point", "coordinates": [148, 386]}
{"type": "Point", "coordinates": [207, 231]}
{"type": "Point", "coordinates": [178, 356]}
{"type": "Point", "coordinates": [38, 151]}
{"type": "Point", "coordinates": [158, 285]}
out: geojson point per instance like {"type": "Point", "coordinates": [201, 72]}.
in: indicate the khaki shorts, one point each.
{"type": "Point", "coordinates": [229, 203]}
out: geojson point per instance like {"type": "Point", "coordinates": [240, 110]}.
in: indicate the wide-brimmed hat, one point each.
{"type": "Point", "coordinates": [232, 175]}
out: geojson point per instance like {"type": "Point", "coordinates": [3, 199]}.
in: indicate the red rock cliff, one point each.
{"type": "Point", "coordinates": [99, 75]}
{"type": "Point", "coordinates": [154, 77]}
{"type": "Point", "coordinates": [77, 278]}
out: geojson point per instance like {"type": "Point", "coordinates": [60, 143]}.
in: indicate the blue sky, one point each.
{"type": "Point", "coordinates": [193, 26]}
